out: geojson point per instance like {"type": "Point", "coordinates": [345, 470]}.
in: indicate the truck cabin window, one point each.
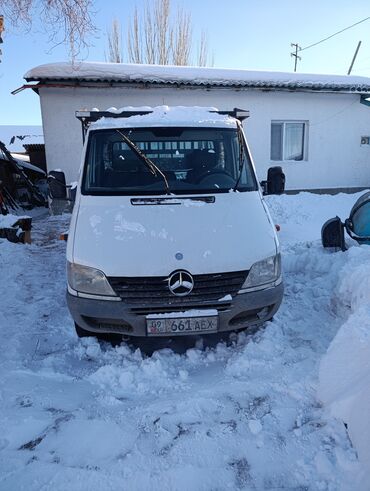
{"type": "Point", "coordinates": [192, 161]}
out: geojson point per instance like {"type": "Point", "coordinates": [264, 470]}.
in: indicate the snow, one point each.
{"type": "Point", "coordinates": [167, 116]}
{"type": "Point", "coordinates": [255, 426]}
{"type": "Point", "coordinates": [20, 156]}
{"type": "Point", "coordinates": [264, 412]}
{"type": "Point", "coordinates": [7, 221]}
{"type": "Point", "coordinates": [345, 369]}
{"type": "Point", "coordinates": [100, 71]}
{"type": "Point", "coordinates": [226, 298]}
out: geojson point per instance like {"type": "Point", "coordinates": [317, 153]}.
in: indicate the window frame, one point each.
{"type": "Point", "coordinates": [284, 122]}
{"type": "Point", "coordinates": [91, 148]}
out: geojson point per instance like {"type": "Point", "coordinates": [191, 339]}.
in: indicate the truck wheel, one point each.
{"type": "Point", "coordinates": [81, 333]}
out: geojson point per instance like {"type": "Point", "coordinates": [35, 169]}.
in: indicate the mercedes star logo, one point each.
{"type": "Point", "coordinates": [180, 283]}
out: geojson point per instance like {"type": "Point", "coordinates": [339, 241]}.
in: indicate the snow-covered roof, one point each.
{"type": "Point", "coordinates": [195, 76]}
{"type": "Point", "coordinates": [167, 116]}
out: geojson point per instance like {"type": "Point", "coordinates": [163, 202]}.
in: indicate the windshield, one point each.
{"type": "Point", "coordinates": [193, 160]}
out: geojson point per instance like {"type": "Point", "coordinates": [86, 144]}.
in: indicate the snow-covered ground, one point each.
{"type": "Point", "coordinates": [266, 412]}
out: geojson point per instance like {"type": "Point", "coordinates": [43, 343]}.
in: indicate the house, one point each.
{"type": "Point", "coordinates": [316, 126]}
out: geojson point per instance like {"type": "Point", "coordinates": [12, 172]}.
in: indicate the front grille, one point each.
{"type": "Point", "coordinates": [220, 307]}
{"type": "Point", "coordinates": [154, 291]}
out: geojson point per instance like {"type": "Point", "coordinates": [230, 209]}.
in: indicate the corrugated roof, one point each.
{"type": "Point", "coordinates": [195, 76]}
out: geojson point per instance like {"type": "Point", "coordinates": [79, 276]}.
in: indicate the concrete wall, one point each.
{"type": "Point", "coordinates": [336, 122]}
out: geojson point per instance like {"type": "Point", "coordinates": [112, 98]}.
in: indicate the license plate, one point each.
{"type": "Point", "coordinates": [172, 326]}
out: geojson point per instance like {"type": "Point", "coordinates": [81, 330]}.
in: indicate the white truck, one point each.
{"type": "Point", "coordinates": [170, 234]}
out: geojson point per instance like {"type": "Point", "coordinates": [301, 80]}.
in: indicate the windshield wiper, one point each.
{"type": "Point", "coordinates": [241, 155]}
{"type": "Point", "coordinates": [153, 168]}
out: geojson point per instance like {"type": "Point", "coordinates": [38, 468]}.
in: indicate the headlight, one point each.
{"type": "Point", "coordinates": [263, 272]}
{"type": "Point", "coordinates": [88, 280]}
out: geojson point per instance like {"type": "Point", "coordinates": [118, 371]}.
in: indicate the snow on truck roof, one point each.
{"type": "Point", "coordinates": [194, 76]}
{"type": "Point", "coordinates": [194, 116]}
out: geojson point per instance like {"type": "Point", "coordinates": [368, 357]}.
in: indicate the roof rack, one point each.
{"type": "Point", "coordinates": [88, 117]}
{"type": "Point", "coordinates": [240, 114]}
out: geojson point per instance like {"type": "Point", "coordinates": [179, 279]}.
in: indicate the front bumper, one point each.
{"type": "Point", "coordinates": [245, 310]}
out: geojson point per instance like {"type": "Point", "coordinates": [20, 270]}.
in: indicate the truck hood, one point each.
{"type": "Point", "coordinates": [154, 238]}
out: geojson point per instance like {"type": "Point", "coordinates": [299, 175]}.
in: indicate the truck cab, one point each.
{"type": "Point", "coordinates": [170, 234]}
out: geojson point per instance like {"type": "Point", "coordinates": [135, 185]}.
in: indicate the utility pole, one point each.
{"type": "Point", "coordinates": [1, 31]}
{"type": "Point", "coordinates": [354, 58]}
{"type": "Point", "coordinates": [295, 54]}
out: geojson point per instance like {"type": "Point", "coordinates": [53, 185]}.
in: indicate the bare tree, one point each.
{"type": "Point", "coordinates": [163, 30]}
{"type": "Point", "coordinates": [115, 43]}
{"type": "Point", "coordinates": [203, 50]}
{"type": "Point", "coordinates": [155, 36]}
{"type": "Point", "coordinates": [182, 39]}
{"type": "Point", "coordinates": [135, 50]}
{"type": "Point", "coordinates": [66, 21]}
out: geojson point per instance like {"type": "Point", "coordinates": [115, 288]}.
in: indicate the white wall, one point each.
{"type": "Point", "coordinates": [336, 124]}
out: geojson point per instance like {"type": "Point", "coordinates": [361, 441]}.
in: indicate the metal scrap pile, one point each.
{"type": "Point", "coordinates": [17, 189]}
{"type": "Point", "coordinates": [18, 192]}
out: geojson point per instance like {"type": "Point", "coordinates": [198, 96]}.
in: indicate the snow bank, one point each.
{"type": "Point", "coordinates": [345, 369]}
{"type": "Point", "coordinates": [344, 375]}
{"type": "Point", "coordinates": [7, 221]}
{"type": "Point", "coordinates": [302, 215]}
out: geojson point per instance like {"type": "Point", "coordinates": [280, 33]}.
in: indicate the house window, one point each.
{"type": "Point", "coordinates": [288, 140]}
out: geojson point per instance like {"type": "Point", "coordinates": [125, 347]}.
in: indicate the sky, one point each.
{"type": "Point", "coordinates": [246, 34]}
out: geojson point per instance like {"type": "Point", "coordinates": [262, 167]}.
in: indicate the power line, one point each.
{"type": "Point", "coordinates": [335, 34]}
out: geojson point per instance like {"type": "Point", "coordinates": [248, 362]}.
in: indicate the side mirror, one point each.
{"type": "Point", "coordinates": [275, 183]}
{"type": "Point", "coordinates": [358, 223]}
{"type": "Point", "coordinates": [332, 234]}
{"type": "Point", "coordinates": [57, 184]}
